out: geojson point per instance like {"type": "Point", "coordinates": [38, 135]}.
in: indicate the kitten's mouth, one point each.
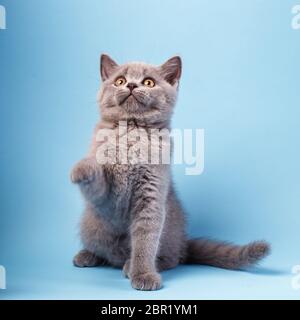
{"type": "Point", "coordinates": [130, 99]}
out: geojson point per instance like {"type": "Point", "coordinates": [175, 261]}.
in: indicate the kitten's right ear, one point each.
{"type": "Point", "coordinates": [107, 66]}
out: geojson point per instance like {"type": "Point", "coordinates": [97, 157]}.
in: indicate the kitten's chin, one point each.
{"type": "Point", "coordinates": [131, 105]}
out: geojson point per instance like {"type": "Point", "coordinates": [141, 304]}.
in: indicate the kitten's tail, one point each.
{"type": "Point", "coordinates": [225, 255]}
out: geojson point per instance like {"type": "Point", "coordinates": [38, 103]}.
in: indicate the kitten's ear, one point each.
{"type": "Point", "coordinates": [107, 66]}
{"type": "Point", "coordinates": [171, 70]}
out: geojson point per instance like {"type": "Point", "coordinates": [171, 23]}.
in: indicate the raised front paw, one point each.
{"type": "Point", "coordinates": [146, 281]}
{"type": "Point", "coordinates": [83, 172]}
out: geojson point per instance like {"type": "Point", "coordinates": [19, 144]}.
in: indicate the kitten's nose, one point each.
{"type": "Point", "coordinates": [131, 86]}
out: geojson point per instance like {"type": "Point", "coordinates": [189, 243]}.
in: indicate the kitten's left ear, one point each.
{"type": "Point", "coordinates": [171, 70]}
{"type": "Point", "coordinates": [107, 66]}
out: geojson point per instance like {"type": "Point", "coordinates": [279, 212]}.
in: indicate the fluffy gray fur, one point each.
{"type": "Point", "coordinates": [133, 218]}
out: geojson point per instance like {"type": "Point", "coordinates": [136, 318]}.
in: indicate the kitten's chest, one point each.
{"type": "Point", "coordinates": [127, 155]}
{"type": "Point", "coordinates": [121, 179]}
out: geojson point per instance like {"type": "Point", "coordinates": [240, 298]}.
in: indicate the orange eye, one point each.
{"type": "Point", "coordinates": [149, 83]}
{"type": "Point", "coordinates": [120, 81]}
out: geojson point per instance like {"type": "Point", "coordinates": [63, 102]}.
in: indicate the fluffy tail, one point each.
{"type": "Point", "coordinates": [225, 255]}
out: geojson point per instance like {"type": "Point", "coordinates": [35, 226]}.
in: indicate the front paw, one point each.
{"type": "Point", "coordinates": [83, 172]}
{"type": "Point", "coordinates": [146, 281]}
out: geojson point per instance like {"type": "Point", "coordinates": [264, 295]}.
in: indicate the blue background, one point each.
{"type": "Point", "coordinates": [240, 83]}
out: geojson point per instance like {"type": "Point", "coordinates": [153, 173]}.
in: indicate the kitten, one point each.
{"type": "Point", "coordinates": [133, 218]}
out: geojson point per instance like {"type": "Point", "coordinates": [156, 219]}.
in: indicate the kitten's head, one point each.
{"type": "Point", "coordinates": [139, 91]}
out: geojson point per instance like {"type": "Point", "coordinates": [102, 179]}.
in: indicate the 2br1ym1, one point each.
{"type": "Point", "coordinates": [2, 278]}
{"type": "Point", "coordinates": [2, 17]}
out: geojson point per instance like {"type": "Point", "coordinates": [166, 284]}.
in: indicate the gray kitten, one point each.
{"type": "Point", "coordinates": [133, 218]}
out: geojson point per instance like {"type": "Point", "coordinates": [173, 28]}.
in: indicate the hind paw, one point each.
{"type": "Point", "coordinates": [85, 258]}
{"type": "Point", "coordinates": [126, 268]}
